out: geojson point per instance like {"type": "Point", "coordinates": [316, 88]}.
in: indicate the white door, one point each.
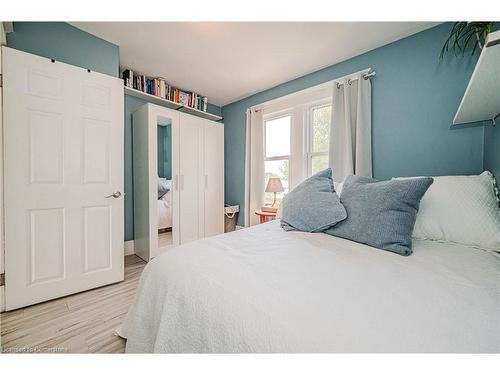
{"type": "Point", "coordinates": [213, 184]}
{"type": "Point", "coordinates": [2, 263]}
{"type": "Point", "coordinates": [190, 128]}
{"type": "Point", "coordinates": [63, 149]}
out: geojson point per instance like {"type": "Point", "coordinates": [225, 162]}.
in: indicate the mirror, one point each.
{"type": "Point", "coordinates": [164, 159]}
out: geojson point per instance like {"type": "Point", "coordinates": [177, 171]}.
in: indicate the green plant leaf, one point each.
{"type": "Point", "coordinates": [466, 35]}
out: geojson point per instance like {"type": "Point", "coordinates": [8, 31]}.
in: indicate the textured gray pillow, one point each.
{"type": "Point", "coordinates": [312, 206]}
{"type": "Point", "coordinates": [381, 213]}
{"type": "Point", "coordinates": [163, 187]}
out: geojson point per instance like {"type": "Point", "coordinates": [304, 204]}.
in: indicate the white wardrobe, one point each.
{"type": "Point", "coordinates": [197, 195]}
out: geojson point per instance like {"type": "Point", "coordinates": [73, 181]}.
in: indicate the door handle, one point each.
{"type": "Point", "coordinates": [116, 194]}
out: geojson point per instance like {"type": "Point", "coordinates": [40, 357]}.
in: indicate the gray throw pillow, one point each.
{"type": "Point", "coordinates": [381, 213]}
{"type": "Point", "coordinates": [163, 187]}
{"type": "Point", "coordinates": [312, 206]}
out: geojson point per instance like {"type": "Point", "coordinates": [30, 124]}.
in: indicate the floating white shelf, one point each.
{"type": "Point", "coordinates": [481, 100]}
{"type": "Point", "coordinates": [170, 104]}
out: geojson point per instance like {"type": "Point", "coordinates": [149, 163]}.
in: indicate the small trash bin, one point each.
{"type": "Point", "coordinates": [230, 217]}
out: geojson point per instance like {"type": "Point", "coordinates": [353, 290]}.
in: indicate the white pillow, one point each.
{"type": "Point", "coordinates": [461, 209]}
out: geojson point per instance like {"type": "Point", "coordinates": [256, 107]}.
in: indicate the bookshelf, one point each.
{"type": "Point", "coordinates": [170, 104]}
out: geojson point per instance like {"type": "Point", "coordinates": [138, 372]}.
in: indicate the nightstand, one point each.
{"type": "Point", "coordinates": [264, 215]}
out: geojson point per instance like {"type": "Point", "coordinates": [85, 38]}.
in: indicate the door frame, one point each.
{"type": "Point", "coordinates": [2, 247]}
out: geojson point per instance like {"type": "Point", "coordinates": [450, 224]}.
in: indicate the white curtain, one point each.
{"type": "Point", "coordinates": [351, 126]}
{"type": "Point", "coordinates": [254, 166]}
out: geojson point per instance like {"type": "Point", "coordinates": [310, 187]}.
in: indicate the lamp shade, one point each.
{"type": "Point", "coordinates": [274, 185]}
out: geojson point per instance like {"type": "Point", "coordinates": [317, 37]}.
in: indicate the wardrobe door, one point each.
{"type": "Point", "coordinates": [213, 184]}
{"type": "Point", "coordinates": [190, 129]}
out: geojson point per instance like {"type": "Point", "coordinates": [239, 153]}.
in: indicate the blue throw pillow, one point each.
{"type": "Point", "coordinates": [381, 213]}
{"type": "Point", "coordinates": [312, 206]}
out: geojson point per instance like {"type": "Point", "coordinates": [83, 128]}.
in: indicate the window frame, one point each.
{"type": "Point", "coordinates": [309, 151]}
{"type": "Point", "coordinates": [296, 106]}
{"type": "Point", "coordinates": [277, 116]}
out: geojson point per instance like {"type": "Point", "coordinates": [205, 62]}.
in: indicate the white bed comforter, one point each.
{"type": "Point", "coordinates": [165, 211]}
{"type": "Point", "coordinates": [265, 290]}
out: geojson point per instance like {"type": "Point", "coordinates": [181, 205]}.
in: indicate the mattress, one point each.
{"type": "Point", "coordinates": [263, 290]}
{"type": "Point", "coordinates": [165, 211]}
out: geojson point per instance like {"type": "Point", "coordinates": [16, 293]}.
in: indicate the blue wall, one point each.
{"type": "Point", "coordinates": [492, 149]}
{"type": "Point", "coordinates": [414, 98]}
{"type": "Point", "coordinates": [71, 45]}
{"type": "Point", "coordinates": [164, 138]}
{"type": "Point", "coordinates": [63, 42]}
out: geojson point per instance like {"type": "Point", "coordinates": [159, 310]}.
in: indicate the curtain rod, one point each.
{"type": "Point", "coordinates": [368, 73]}
{"type": "Point", "coordinates": [365, 76]}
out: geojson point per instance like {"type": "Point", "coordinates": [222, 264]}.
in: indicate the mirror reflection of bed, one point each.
{"type": "Point", "coordinates": [164, 138]}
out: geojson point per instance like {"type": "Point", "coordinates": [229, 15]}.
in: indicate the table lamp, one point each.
{"type": "Point", "coordinates": [274, 186]}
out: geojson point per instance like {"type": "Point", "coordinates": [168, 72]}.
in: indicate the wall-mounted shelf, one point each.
{"type": "Point", "coordinates": [481, 100]}
{"type": "Point", "coordinates": [170, 104]}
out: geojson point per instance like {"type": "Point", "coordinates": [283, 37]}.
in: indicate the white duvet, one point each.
{"type": "Point", "coordinates": [265, 290]}
{"type": "Point", "coordinates": [165, 211]}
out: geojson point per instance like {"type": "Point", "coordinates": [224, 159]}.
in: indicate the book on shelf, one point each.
{"type": "Point", "coordinates": [159, 87]}
{"type": "Point", "coordinates": [184, 98]}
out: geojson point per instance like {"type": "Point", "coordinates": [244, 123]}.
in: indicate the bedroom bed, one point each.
{"type": "Point", "coordinates": [164, 204]}
{"type": "Point", "coordinates": [262, 289]}
{"type": "Point", "coordinates": [165, 212]}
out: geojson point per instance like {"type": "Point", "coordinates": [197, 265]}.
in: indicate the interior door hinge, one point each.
{"type": "Point", "coordinates": [1, 80]}
{"type": "Point", "coordinates": [2, 279]}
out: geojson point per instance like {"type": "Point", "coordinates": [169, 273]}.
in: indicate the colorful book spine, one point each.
{"type": "Point", "coordinates": [159, 87]}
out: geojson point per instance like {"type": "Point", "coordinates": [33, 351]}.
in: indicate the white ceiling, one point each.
{"type": "Point", "coordinates": [232, 60]}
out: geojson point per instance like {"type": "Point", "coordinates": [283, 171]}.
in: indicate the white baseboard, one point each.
{"type": "Point", "coordinates": [129, 247]}
{"type": "Point", "coordinates": [2, 299]}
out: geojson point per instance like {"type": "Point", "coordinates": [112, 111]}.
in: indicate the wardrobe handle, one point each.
{"type": "Point", "coordinates": [182, 182]}
{"type": "Point", "coordinates": [206, 182]}
{"type": "Point", "coordinates": [176, 182]}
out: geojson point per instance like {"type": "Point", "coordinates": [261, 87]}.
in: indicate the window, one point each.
{"type": "Point", "coordinates": [296, 137]}
{"type": "Point", "coordinates": [319, 138]}
{"type": "Point", "coordinates": [277, 153]}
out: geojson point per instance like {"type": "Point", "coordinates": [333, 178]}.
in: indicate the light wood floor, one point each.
{"type": "Point", "coordinates": [80, 323]}
{"type": "Point", "coordinates": [164, 239]}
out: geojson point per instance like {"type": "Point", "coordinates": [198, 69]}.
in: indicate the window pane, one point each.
{"type": "Point", "coordinates": [276, 168]}
{"type": "Point", "coordinates": [278, 137]}
{"type": "Point", "coordinates": [318, 163]}
{"type": "Point", "coordinates": [321, 118]}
